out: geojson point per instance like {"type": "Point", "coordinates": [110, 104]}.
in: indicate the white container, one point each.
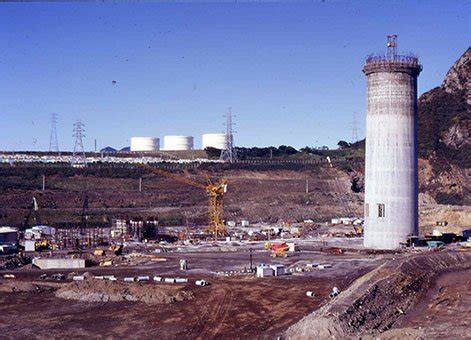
{"type": "Point", "coordinates": [169, 280]}
{"type": "Point", "coordinates": [30, 245]}
{"type": "Point", "coordinates": [175, 143]}
{"type": "Point", "coordinates": [312, 265]}
{"type": "Point", "coordinates": [358, 221]}
{"type": "Point", "coordinates": [292, 247]}
{"type": "Point", "coordinates": [214, 140]}
{"type": "Point", "coordinates": [183, 264]}
{"type": "Point", "coordinates": [180, 280]}
{"type": "Point", "coordinates": [158, 279]}
{"type": "Point", "coordinates": [129, 279]}
{"type": "Point", "coordinates": [278, 269]}
{"type": "Point", "coordinates": [201, 283]}
{"type": "Point", "coordinates": [78, 278]}
{"type": "Point", "coordinates": [346, 220]}
{"type": "Point", "coordinates": [47, 263]}
{"type": "Point", "coordinates": [142, 278]}
{"type": "Point", "coordinates": [264, 271]}
{"type": "Point", "coordinates": [245, 223]}
{"type": "Point", "coordinates": [324, 266]}
{"type": "Point", "coordinates": [231, 223]}
{"type": "Point", "coordinates": [99, 277]}
{"type": "Point", "coordinates": [310, 294]}
{"type": "Point", "coordinates": [144, 144]}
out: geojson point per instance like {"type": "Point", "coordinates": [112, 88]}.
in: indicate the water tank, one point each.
{"type": "Point", "coordinates": [391, 175]}
{"type": "Point", "coordinates": [145, 144]}
{"type": "Point", "coordinates": [214, 140]}
{"type": "Point", "coordinates": [172, 143]}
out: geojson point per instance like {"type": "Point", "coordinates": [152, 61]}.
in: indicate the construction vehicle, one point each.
{"type": "Point", "coordinates": [99, 252]}
{"type": "Point", "coordinates": [43, 244]}
{"type": "Point", "coordinates": [358, 229]}
{"type": "Point", "coordinates": [117, 249]}
{"type": "Point", "coordinates": [106, 263]}
{"type": "Point", "coordinates": [279, 249]}
{"type": "Point", "coordinates": [215, 193]}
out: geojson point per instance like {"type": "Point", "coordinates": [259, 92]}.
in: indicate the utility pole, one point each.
{"type": "Point", "coordinates": [53, 144]}
{"type": "Point", "coordinates": [79, 152]}
{"type": "Point", "coordinates": [229, 153]}
{"type": "Point", "coordinates": [251, 250]}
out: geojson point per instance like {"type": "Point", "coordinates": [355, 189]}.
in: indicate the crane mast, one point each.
{"type": "Point", "coordinates": [215, 193]}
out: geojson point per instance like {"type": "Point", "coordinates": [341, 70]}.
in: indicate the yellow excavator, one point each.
{"type": "Point", "coordinates": [215, 193]}
{"type": "Point", "coordinates": [42, 244]}
{"type": "Point", "coordinates": [358, 229]}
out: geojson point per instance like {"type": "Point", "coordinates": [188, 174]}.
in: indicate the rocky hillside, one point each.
{"type": "Point", "coordinates": [444, 136]}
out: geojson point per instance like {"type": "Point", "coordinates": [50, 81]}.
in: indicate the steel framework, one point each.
{"type": "Point", "coordinates": [229, 153]}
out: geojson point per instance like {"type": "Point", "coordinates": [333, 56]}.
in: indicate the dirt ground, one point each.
{"type": "Point", "coordinates": [231, 307]}
{"type": "Point", "coordinates": [415, 296]}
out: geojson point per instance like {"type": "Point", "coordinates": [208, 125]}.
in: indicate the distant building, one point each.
{"type": "Point", "coordinates": [8, 236]}
{"type": "Point", "coordinates": [108, 149]}
{"type": "Point", "coordinates": [8, 240]}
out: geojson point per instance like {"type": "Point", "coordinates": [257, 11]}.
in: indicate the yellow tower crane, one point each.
{"type": "Point", "coordinates": [215, 193]}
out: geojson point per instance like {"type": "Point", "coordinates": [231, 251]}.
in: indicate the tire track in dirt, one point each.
{"type": "Point", "coordinates": [216, 310]}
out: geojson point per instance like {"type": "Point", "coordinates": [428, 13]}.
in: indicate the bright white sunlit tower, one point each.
{"type": "Point", "coordinates": [391, 176]}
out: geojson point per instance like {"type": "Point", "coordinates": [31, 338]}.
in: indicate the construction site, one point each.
{"type": "Point", "coordinates": [184, 243]}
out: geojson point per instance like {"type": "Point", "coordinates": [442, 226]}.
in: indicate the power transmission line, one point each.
{"type": "Point", "coordinates": [354, 128]}
{"type": "Point", "coordinates": [229, 153]}
{"type": "Point", "coordinates": [78, 156]}
{"type": "Point", "coordinates": [53, 144]}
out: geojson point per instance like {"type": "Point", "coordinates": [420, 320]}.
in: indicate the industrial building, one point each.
{"type": "Point", "coordinates": [145, 144]}
{"type": "Point", "coordinates": [8, 239]}
{"type": "Point", "coordinates": [175, 143]}
{"type": "Point", "coordinates": [214, 140]}
{"type": "Point", "coordinates": [391, 173]}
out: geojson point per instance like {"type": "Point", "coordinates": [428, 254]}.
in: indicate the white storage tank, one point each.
{"type": "Point", "coordinates": [145, 144]}
{"type": "Point", "coordinates": [214, 140]}
{"type": "Point", "coordinates": [175, 143]}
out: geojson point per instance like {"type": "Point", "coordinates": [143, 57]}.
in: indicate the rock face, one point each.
{"type": "Point", "coordinates": [457, 78]}
{"type": "Point", "coordinates": [445, 136]}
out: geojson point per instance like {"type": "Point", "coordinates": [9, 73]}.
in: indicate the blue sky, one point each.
{"type": "Point", "coordinates": [290, 72]}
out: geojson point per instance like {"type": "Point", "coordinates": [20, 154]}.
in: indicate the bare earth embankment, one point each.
{"type": "Point", "coordinates": [389, 297]}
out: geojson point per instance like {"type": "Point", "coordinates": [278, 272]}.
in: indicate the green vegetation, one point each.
{"type": "Point", "coordinates": [438, 112]}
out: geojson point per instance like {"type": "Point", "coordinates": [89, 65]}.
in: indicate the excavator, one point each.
{"type": "Point", "coordinates": [277, 249]}
{"type": "Point", "coordinates": [215, 193]}
{"type": "Point", "coordinates": [358, 230]}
